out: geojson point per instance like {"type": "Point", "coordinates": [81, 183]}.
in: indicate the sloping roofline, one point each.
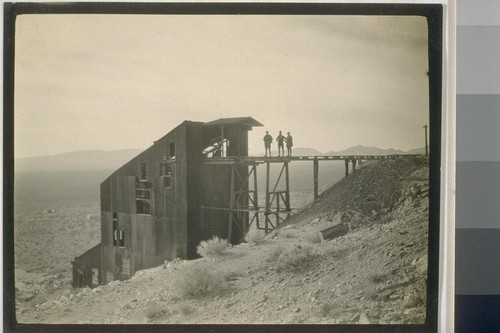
{"type": "Point", "coordinates": [247, 121]}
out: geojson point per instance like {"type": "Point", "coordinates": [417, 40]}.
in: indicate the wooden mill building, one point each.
{"type": "Point", "coordinates": [152, 207]}
{"type": "Point", "coordinates": [194, 183]}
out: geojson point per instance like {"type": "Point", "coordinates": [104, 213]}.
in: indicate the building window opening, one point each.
{"type": "Point", "coordinates": [171, 150]}
{"type": "Point", "coordinates": [217, 147]}
{"type": "Point", "coordinates": [143, 197]}
{"type": "Point", "coordinates": [166, 173]}
{"type": "Point", "coordinates": [121, 239]}
{"type": "Point", "coordinates": [115, 229]}
{"type": "Point", "coordinates": [165, 169]}
{"type": "Point", "coordinates": [143, 193]}
{"type": "Point", "coordinates": [144, 171]}
{"type": "Point", "coordinates": [167, 181]}
{"type": "Point", "coordinates": [143, 206]}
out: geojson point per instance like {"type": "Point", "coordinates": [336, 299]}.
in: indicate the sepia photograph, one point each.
{"type": "Point", "coordinates": [226, 166]}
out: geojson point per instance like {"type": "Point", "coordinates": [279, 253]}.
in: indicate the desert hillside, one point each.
{"type": "Point", "coordinates": [375, 273]}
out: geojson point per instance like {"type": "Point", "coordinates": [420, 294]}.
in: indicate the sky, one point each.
{"type": "Point", "coordinates": [110, 82]}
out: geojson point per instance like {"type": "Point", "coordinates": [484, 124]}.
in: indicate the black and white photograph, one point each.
{"type": "Point", "coordinates": [225, 168]}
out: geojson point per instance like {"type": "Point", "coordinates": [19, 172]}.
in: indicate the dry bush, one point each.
{"type": "Point", "coordinates": [254, 236]}
{"type": "Point", "coordinates": [287, 234]}
{"type": "Point", "coordinates": [294, 257]}
{"type": "Point", "coordinates": [324, 309]}
{"type": "Point", "coordinates": [274, 254]}
{"type": "Point", "coordinates": [232, 275]}
{"type": "Point", "coordinates": [212, 247]}
{"type": "Point", "coordinates": [198, 279]}
{"type": "Point", "coordinates": [185, 308]}
{"type": "Point", "coordinates": [378, 278]}
{"type": "Point", "coordinates": [290, 258]}
{"type": "Point", "coordinates": [153, 310]}
{"type": "Point", "coordinates": [313, 237]}
{"type": "Point", "coordinates": [333, 250]}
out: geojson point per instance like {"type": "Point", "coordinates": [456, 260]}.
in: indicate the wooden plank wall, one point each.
{"type": "Point", "coordinates": [194, 158]}
{"type": "Point", "coordinates": [172, 230]}
{"type": "Point", "coordinates": [216, 184]}
{"type": "Point", "coordinates": [85, 262]}
{"type": "Point", "coordinates": [148, 238]}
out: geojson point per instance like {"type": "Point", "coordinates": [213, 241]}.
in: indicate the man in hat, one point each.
{"type": "Point", "coordinates": [268, 139]}
{"type": "Point", "coordinates": [289, 144]}
{"type": "Point", "coordinates": [280, 139]}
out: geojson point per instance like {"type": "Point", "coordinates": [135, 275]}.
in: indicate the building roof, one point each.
{"type": "Point", "coordinates": [247, 121]}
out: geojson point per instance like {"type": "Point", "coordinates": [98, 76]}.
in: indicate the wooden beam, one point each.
{"type": "Point", "coordinates": [266, 213]}
{"type": "Point", "coordinates": [315, 176]}
{"type": "Point", "coordinates": [231, 203]}
{"type": "Point", "coordinates": [287, 194]}
{"type": "Point", "coordinates": [346, 167]}
{"type": "Point", "coordinates": [256, 198]}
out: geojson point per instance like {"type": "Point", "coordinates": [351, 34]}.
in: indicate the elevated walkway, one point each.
{"type": "Point", "coordinates": [277, 203]}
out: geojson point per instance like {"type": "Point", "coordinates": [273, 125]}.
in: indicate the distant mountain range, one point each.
{"type": "Point", "coordinates": [362, 150]}
{"type": "Point", "coordinates": [110, 160]}
{"type": "Point", "coordinates": [78, 161]}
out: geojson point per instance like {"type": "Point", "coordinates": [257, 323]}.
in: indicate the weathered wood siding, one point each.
{"type": "Point", "coordinates": [175, 225]}
{"type": "Point", "coordinates": [83, 265]}
{"type": "Point", "coordinates": [216, 181]}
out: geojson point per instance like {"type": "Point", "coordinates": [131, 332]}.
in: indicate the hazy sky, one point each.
{"type": "Point", "coordinates": [123, 81]}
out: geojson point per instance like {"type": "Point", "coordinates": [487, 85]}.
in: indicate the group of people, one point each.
{"type": "Point", "coordinates": [281, 139]}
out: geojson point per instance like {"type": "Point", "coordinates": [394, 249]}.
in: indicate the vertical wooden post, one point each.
{"type": "Point", "coordinates": [222, 141]}
{"type": "Point", "coordinates": [231, 204]}
{"type": "Point", "coordinates": [346, 161]}
{"type": "Point", "coordinates": [353, 165]}
{"type": "Point", "coordinates": [266, 212]}
{"type": "Point", "coordinates": [315, 171]}
{"type": "Point", "coordinates": [287, 193]}
{"type": "Point", "coordinates": [426, 149]}
{"type": "Point", "coordinates": [255, 195]}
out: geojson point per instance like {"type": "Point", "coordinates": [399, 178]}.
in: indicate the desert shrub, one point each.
{"type": "Point", "coordinates": [324, 309]}
{"type": "Point", "coordinates": [198, 279]}
{"type": "Point", "coordinates": [185, 308]}
{"type": "Point", "coordinates": [313, 237]}
{"type": "Point", "coordinates": [290, 258]}
{"type": "Point", "coordinates": [153, 310]}
{"type": "Point", "coordinates": [335, 251]}
{"type": "Point", "coordinates": [212, 247]}
{"type": "Point", "coordinates": [232, 275]}
{"type": "Point", "coordinates": [254, 236]}
{"type": "Point", "coordinates": [294, 257]}
{"type": "Point", "coordinates": [378, 278]}
{"type": "Point", "coordinates": [274, 254]}
{"type": "Point", "coordinates": [286, 234]}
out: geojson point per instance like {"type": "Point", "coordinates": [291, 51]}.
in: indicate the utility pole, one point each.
{"type": "Point", "coordinates": [426, 149]}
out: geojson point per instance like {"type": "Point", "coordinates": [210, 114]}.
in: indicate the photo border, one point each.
{"type": "Point", "coordinates": [434, 15]}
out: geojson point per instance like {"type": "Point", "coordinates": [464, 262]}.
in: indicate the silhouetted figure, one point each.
{"type": "Point", "coordinates": [268, 139]}
{"type": "Point", "coordinates": [280, 139]}
{"type": "Point", "coordinates": [289, 144]}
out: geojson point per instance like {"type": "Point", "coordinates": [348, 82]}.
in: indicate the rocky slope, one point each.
{"type": "Point", "coordinates": [376, 273]}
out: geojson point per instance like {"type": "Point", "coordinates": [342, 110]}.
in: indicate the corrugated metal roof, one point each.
{"type": "Point", "coordinates": [248, 121]}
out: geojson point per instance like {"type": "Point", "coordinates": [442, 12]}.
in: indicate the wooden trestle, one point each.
{"type": "Point", "coordinates": [243, 202]}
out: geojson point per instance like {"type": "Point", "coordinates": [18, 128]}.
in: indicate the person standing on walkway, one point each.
{"type": "Point", "coordinates": [268, 139]}
{"type": "Point", "coordinates": [280, 139]}
{"type": "Point", "coordinates": [289, 144]}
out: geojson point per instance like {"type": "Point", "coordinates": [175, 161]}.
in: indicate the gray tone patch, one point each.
{"type": "Point", "coordinates": [478, 124]}
{"type": "Point", "coordinates": [477, 262]}
{"type": "Point", "coordinates": [478, 51]}
{"type": "Point", "coordinates": [472, 12]}
{"type": "Point", "coordinates": [478, 190]}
